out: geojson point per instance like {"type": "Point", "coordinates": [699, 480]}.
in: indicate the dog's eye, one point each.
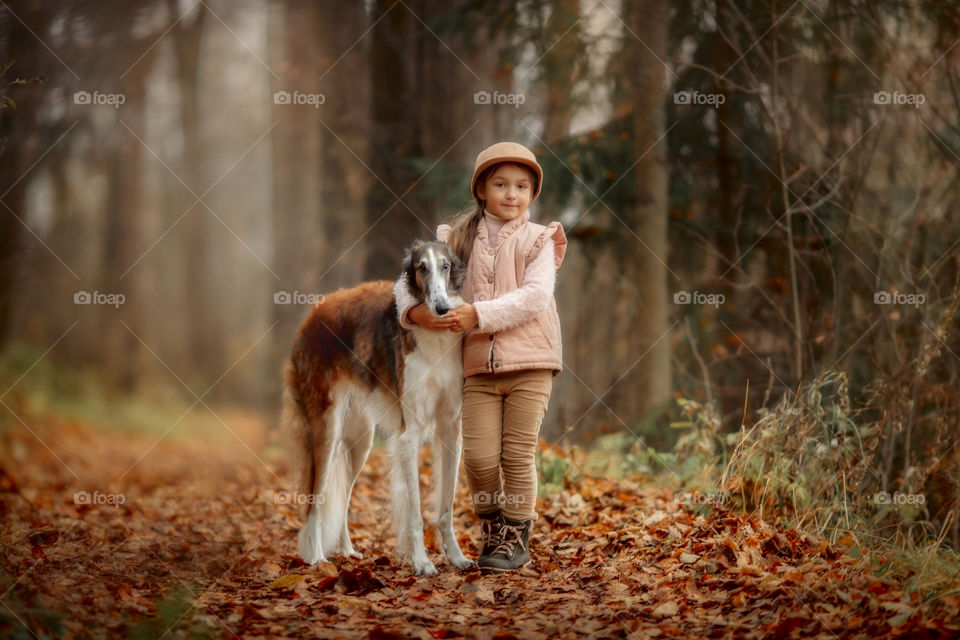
{"type": "Point", "coordinates": [422, 268]}
{"type": "Point", "coordinates": [446, 267]}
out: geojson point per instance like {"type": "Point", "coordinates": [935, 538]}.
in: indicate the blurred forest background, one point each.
{"type": "Point", "coordinates": [761, 200]}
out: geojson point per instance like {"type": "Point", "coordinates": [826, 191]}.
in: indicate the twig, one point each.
{"type": "Point", "coordinates": [703, 365]}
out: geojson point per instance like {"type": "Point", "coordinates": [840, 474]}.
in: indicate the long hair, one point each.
{"type": "Point", "coordinates": [463, 231]}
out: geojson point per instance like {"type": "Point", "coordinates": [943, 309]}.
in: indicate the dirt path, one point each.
{"type": "Point", "coordinates": [198, 523]}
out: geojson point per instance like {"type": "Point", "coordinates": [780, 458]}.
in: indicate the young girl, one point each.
{"type": "Point", "coordinates": [511, 346]}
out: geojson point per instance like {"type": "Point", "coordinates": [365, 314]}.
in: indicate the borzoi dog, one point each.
{"type": "Point", "coordinates": [353, 367]}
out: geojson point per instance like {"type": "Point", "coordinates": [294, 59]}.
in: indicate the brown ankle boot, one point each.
{"type": "Point", "coordinates": [490, 526]}
{"type": "Point", "coordinates": [513, 552]}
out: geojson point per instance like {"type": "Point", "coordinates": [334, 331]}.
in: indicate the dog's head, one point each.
{"type": "Point", "coordinates": [434, 275]}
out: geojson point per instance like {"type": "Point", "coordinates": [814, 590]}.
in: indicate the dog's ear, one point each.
{"type": "Point", "coordinates": [409, 269]}
{"type": "Point", "coordinates": [458, 271]}
{"type": "Point", "coordinates": [408, 257]}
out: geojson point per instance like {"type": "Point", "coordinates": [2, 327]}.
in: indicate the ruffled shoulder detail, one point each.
{"type": "Point", "coordinates": [552, 231]}
{"type": "Point", "coordinates": [443, 232]}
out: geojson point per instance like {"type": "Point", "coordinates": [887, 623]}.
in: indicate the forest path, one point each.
{"type": "Point", "coordinates": [200, 525]}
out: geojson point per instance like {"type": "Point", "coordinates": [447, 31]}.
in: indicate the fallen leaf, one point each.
{"type": "Point", "coordinates": [286, 581]}
{"type": "Point", "coordinates": [668, 608]}
{"type": "Point", "coordinates": [485, 594]}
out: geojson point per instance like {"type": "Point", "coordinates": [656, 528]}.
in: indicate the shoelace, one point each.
{"type": "Point", "coordinates": [486, 531]}
{"type": "Point", "coordinates": [506, 545]}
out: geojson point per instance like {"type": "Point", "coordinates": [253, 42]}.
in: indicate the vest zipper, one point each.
{"type": "Point", "coordinates": [492, 296]}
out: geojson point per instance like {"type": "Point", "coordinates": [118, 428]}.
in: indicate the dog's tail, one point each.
{"type": "Point", "coordinates": [296, 425]}
{"type": "Point", "coordinates": [317, 444]}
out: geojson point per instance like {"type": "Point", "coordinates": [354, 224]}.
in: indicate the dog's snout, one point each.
{"type": "Point", "coordinates": [442, 308]}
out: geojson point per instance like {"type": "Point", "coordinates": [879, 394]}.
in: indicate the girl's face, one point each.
{"type": "Point", "coordinates": [507, 191]}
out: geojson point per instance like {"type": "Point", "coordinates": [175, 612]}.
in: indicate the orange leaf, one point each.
{"type": "Point", "coordinates": [286, 581]}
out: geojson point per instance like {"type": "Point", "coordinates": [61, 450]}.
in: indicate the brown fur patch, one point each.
{"type": "Point", "coordinates": [350, 334]}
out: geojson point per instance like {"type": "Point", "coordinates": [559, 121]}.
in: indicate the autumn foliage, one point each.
{"type": "Point", "coordinates": [200, 547]}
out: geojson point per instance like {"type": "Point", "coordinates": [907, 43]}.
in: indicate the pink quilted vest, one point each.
{"type": "Point", "coordinates": [495, 271]}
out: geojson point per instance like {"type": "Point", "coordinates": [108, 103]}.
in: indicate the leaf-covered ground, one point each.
{"type": "Point", "coordinates": [199, 546]}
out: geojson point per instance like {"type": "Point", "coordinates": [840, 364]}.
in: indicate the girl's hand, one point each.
{"type": "Point", "coordinates": [466, 317]}
{"type": "Point", "coordinates": [422, 316]}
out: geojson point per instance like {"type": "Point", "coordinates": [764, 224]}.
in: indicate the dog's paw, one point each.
{"type": "Point", "coordinates": [345, 551]}
{"type": "Point", "coordinates": [424, 568]}
{"type": "Point", "coordinates": [309, 548]}
{"type": "Point", "coordinates": [312, 557]}
{"type": "Point", "coordinates": [460, 561]}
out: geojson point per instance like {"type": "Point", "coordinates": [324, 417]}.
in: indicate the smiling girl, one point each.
{"type": "Point", "coordinates": [511, 346]}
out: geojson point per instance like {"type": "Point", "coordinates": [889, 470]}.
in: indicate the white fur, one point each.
{"type": "Point", "coordinates": [436, 285]}
{"type": "Point", "coordinates": [432, 398]}
{"type": "Point", "coordinates": [351, 422]}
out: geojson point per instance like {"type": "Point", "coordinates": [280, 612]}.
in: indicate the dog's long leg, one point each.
{"type": "Point", "coordinates": [310, 538]}
{"type": "Point", "coordinates": [358, 445]}
{"type": "Point", "coordinates": [326, 430]}
{"type": "Point", "coordinates": [447, 446]}
{"type": "Point", "coordinates": [310, 434]}
{"type": "Point", "coordinates": [406, 499]}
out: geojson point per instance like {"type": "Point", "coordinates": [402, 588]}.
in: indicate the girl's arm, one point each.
{"type": "Point", "coordinates": [405, 302]}
{"type": "Point", "coordinates": [412, 314]}
{"type": "Point", "coordinates": [521, 305]}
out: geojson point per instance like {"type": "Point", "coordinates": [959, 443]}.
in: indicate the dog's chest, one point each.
{"type": "Point", "coordinates": [437, 361]}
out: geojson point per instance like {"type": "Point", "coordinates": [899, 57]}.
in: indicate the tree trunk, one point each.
{"type": "Point", "coordinates": [560, 65]}
{"type": "Point", "coordinates": [206, 346]}
{"type": "Point", "coordinates": [18, 145]}
{"type": "Point", "coordinates": [121, 348]}
{"type": "Point", "coordinates": [725, 239]}
{"type": "Point", "coordinates": [346, 113]}
{"type": "Point", "coordinates": [299, 245]}
{"type": "Point", "coordinates": [395, 134]}
{"type": "Point", "coordinates": [645, 385]}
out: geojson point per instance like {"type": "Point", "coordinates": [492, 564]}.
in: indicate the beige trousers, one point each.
{"type": "Point", "coordinates": [501, 421]}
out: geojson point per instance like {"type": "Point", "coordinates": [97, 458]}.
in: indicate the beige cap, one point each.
{"type": "Point", "coordinates": [506, 152]}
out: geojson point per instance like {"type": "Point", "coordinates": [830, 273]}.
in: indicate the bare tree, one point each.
{"type": "Point", "coordinates": [299, 243]}
{"type": "Point", "coordinates": [120, 347]}
{"type": "Point", "coordinates": [206, 346]}
{"type": "Point", "coordinates": [396, 139]}
{"type": "Point", "coordinates": [562, 65]}
{"type": "Point", "coordinates": [21, 58]}
{"type": "Point", "coordinates": [345, 81]}
{"type": "Point", "coordinates": [645, 385]}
